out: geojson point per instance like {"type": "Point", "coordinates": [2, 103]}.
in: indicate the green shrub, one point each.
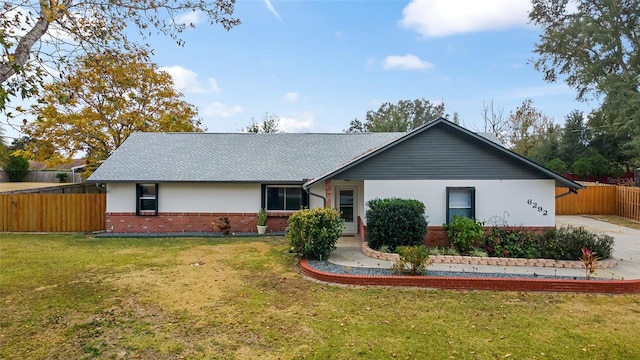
{"type": "Point", "coordinates": [464, 232]}
{"type": "Point", "coordinates": [262, 217]}
{"type": "Point", "coordinates": [395, 222]}
{"type": "Point", "coordinates": [413, 259]}
{"type": "Point", "coordinates": [17, 168]}
{"type": "Point", "coordinates": [567, 242]}
{"type": "Point", "coordinates": [313, 233]}
{"type": "Point", "coordinates": [556, 165]}
{"type": "Point", "coordinates": [501, 242]}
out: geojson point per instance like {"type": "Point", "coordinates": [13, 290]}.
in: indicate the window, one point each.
{"type": "Point", "coordinates": [286, 198]}
{"type": "Point", "coordinates": [461, 201]}
{"type": "Point", "coordinates": [147, 199]}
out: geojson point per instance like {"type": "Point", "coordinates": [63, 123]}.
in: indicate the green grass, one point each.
{"type": "Point", "coordinates": [75, 297]}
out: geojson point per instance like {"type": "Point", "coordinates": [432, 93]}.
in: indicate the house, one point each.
{"type": "Point", "coordinates": [183, 182]}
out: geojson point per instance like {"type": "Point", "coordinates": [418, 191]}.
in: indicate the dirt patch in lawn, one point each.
{"type": "Point", "coordinates": [201, 277]}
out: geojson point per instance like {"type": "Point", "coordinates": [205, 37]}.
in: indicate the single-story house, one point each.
{"type": "Point", "coordinates": [183, 182]}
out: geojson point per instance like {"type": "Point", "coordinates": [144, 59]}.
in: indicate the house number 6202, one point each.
{"type": "Point", "coordinates": [537, 207]}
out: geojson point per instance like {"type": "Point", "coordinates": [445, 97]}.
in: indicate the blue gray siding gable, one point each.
{"type": "Point", "coordinates": [439, 154]}
{"type": "Point", "coordinates": [441, 150]}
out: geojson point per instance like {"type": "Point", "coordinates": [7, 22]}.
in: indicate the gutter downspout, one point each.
{"type": "Point", "coordinates": [571, 191]}
{"type": "Point", "coordinates": [324, 199]}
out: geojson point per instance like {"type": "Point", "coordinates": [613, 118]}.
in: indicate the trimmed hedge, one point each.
{"type": "Point", "coordinates": [395, 222]}
{"type": "Point", "coordinates": [313, 233]}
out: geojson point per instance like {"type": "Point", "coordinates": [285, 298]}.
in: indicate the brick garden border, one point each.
{"type": "Point", "coordinates": [469, 283]}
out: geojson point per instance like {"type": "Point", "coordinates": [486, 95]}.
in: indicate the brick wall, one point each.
{"type": "Point", "coordinates": [191, 222]}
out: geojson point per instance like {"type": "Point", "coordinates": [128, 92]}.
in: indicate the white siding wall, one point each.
{"type": "Point", "coordinates": [121, 197]}
{"type": "Point", "coordinates": [314, 201]}
{"type": "Point", "coordinates": [189, 197]}
{"type": "Point", "coordinates": [493, 198]}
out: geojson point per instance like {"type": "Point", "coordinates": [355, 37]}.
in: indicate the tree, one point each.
{"type": "Point", "coordinates": [37, 34]}
{"type": "Point", "coordinates": [494, 121]}
{"type": "Point", "coordinates": [594, 165]}
{"type": "Point", "coordinates": [596, 47]}
{"type": "Point", "coordinates": [95, 108]}
{"type": "Point", "coordinates": [269, 124]}
{"type": "Point", "coordinates": [556, 165]}
{"type": "Point", "coordinates": [575, 137]}
{"type": "Point", "coordinates": [526, 127]}
{"type": "Point", "coordinates": [17, 167]}
{"type": "Point", "coordinates": [546, 146]}
{"type": "Point", "coordinates": [404, 116]}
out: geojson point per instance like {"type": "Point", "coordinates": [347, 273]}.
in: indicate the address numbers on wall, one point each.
{"type": "Point", "coordinates": [535, 205]}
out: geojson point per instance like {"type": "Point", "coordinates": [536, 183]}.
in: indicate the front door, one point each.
{"type": "Point", "coordinates": [346, 203]}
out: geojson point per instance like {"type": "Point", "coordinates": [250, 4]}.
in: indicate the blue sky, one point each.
{"type": "Point", "coordinates": [320, 64]}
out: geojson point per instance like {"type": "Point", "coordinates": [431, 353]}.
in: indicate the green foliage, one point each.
{"type": "Point", "coordinates": [527, 125]}
{"type": "Point", "coordinates": [17, 168]}
{"type": "Point", "coordinates": [270, 124]}
{"type": "Point", "coordinates": [478, 253]}
{"type": "Point", "coordinates": [593, 165]}
{"type": "Point", "coordinates": [593, 45]}
{"type": "Point", "coordinates": [575, 137]}
{"type": "Point", "coordinates": [413, 259]}
{"type": "Point", "coordinates": [567, 242]}
{"type": "Point", "coordinates": [313, 233]}
{"type": "Point", "coordinates": [62, 177]}
{"type": "Point", "coordinates": [121, 94]}
{"type": "Point", "coordinates": [404, 116]}
{"type": "Point", "coordinates": [557, 165]}
{"type": "Point", "coordinates": [395, 222]}
{"type": "Point", "coordinates": [262, 217]}
{"type": "Point", "coordinates": [463, 232]}
{"type": "Point", "coordinates": [501, 242]}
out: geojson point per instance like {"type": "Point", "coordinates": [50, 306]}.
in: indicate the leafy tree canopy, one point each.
{"type": "Point", "coordinates": [595, 46]}
{"type": "Point", "coordinates": [17, 167]}
{"type": "Point", "coordinates": [404, 116]}
{"type": "Point", "coordinates": [99, 104]}
{"type": "Point", "coordinates": [525, 127]}
{"type": "Point", "coordinates": [50, 34]}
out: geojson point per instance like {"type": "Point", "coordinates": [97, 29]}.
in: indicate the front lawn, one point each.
{"type": "Point", "coordinates": [72, 297]}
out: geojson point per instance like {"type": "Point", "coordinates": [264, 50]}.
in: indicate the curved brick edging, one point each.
{"type": "Point", "coordinates": [498, 261]}
{"type": "Point", "coordinates": [474, 283]}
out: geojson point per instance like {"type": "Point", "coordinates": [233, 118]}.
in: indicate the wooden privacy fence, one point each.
{"type": "Point", "coordinates": [52, 212]}
{"type": "Point", "coordinates": [601, 200]}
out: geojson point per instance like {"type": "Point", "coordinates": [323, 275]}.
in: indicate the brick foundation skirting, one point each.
{"type": "Point", "coordinates": [191, 222]}
{"type": "Point", "coordinates": [469, 283]}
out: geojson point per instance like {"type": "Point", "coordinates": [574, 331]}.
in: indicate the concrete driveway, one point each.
{"type": "Point", "coordinates": [626, 249]}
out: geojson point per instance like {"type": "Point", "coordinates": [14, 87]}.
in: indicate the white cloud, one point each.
{"type": "Point", "coordinates": [189, 18]}
{"type": "Point", "coordinates": [187, 80]}
{"type": "Point", "coordinates": [272, 9]}
{"type": "Point", "coordinates": [291, 125]}
{"type": "Point", "coordinates": [291, 97]}
{"type": "Point", "coordinates": [218, 109]}
{"type": "Point", "coordinates": [405, 62]}
{"type": "Point", "coordinates": [435, 18]}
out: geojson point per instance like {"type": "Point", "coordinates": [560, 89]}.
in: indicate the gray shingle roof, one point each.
{"type": "Point", "coordinates": [233, 157]}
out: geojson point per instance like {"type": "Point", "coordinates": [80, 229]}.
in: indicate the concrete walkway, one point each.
{"type": "Point", "coordinates": [626, 251]}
